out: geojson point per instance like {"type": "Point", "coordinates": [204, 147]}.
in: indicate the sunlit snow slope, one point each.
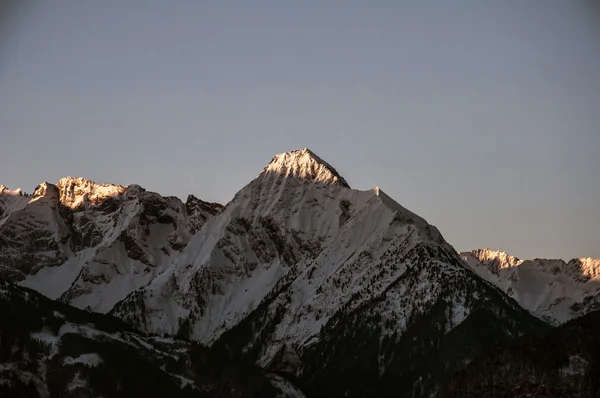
{"type": "Point", "coordinates": [553, 290]}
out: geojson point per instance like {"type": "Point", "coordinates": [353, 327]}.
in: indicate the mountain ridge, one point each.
{"type": "Point", "coordinates": [295, 256]}
{"type": "Point", "coordinates": [304, 164]}
{"type": "Point", "coordinates": [298, 273]}
{"type": "Point", "coordinates": [552, 289]}
{"type": "Point", "coordinates": [76, 238]}
{"type": "Point", "coordinates": [508, 259]}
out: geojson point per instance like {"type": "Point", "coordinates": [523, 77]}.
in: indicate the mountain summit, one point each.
{"type": "Point", "coordinates": [345, 289]}
{"type": "Point", "coordinates": [74, 192]}
{"type": "Point", "coordinates": [303, 164]}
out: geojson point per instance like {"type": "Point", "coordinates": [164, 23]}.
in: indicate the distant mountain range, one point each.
{"type": "Point", "coordinates": [553, 290]}
{"type": "Point", "coordinates": [315, 288]}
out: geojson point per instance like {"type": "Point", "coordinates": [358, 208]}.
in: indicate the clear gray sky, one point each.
{"type": "Point", "coordinates": [481, 116]}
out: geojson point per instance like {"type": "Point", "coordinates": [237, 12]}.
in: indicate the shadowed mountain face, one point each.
{"type": "Point", "coordinates": [565, 362]}
{"type": "Point", "coordinates": [344, 290]}
{"type": "Point", "coordinates": [49, 349]}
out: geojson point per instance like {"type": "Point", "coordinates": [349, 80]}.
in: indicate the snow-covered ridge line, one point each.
{"type": "Point", "coordinates": [589, 266]}
{"type": "Point", "coordinates": [294, 274]}
{"type": "Point", "coordinates": [4, 190]}
{"type": "Point", "coordinates": [552, 289]}
{"type": "Point", "coordinates": [70, 191]}
{"type": "Point", "coordinates": [74, 191]}
{"type": "Point", "coordinates": [91, 244]}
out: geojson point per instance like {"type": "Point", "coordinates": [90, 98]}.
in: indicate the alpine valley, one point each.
{"type": "Point", "coordinates": [299, 286]}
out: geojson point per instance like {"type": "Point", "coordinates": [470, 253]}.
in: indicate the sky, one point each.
{"type": "Point", "coordinates": [482, 117]}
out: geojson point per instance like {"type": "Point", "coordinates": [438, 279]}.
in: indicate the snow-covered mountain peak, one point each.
{"type": "Point", "coordinates": [297, 273]}
{"type": "Point", "coordinates": [91, 244]}
{"type": "Point", "coordinates": [75, 191]}
{"type": "Point", "coordinates": [4, 190]}
{"type": "Point", "coordinates": [496, 259]}
{"type": "Point", "coordinates": [303, 164]}
{"type": "Point", "coordinates": [195, 202]}
{"type": "Point", "coordinates": [47, 191]}
{"type": "Point", "coordinates": [589, 267]}
{"type": "Point", "coordinates": [552, 289]}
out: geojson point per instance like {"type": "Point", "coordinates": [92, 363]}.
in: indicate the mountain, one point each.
{"type": "Point", "coordinates": [553, 290]}
{"type": "Point", "coordinates": [92, 244]}
{"type": "Point", "coordinates": [50, 349]}
{"type": "Point", "coordinates": [565, 362]}
{"type": "Point", "coordinates": [346, 291]}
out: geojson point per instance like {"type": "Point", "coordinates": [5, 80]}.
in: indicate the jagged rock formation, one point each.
{"type": "Point", "coordinates": [554, 290]}
{"type": "Point", "coordinates": [92, 244]}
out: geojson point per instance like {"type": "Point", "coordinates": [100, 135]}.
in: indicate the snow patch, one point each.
{"type": "Point", "coordinates": [45, 335]}
{"type": "Point", "coordinates": [92, 360]}
{"type": "Point", "coordinates": [52, 282]}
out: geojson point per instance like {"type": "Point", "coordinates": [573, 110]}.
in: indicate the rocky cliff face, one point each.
{"type": "Point", "coordinates": [92, 244]}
